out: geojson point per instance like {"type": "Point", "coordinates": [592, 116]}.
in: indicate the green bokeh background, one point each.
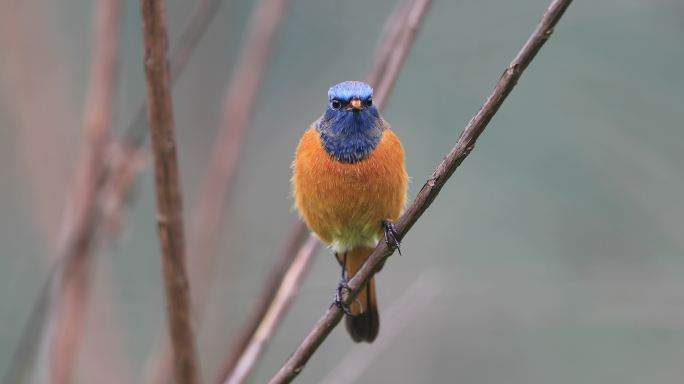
{"type": "Point", "coordinates": [554, 254]}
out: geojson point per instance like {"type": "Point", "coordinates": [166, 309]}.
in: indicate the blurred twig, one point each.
{"type": "Point", "coordinates": [202, 15]}
{"type": "Point", "coordinates": [33, 77]}
{"type": "Point", "coordinates": [72, 285]}
{"type": "Point", "coordinates": [293, 246]}
{"type": "Point", "coordinates": [394, 46]}
{"type": "Point", "coordinates": [114, 183]}
{"type": "Point", "coordinates": [387, 43]}
{"type": "Point", "coordinates": [169, 200]}
{"type": "Point", "coordinates": [395, 39]}
{"type": "Point", "coordinates": [466, 142]}
{"type": "Point", "coordinates": [238, 104]}
{"type": "Point", "coordinates": [285, 293]}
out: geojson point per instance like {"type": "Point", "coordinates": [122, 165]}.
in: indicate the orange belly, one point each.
{"type": "Point", "coordinates": [345, 204]}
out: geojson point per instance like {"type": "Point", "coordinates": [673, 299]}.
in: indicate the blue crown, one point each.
{"type": "Point", "coordinates": [347, 90]}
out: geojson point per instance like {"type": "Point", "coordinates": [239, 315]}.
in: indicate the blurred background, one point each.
{"type": "Point", "coordinates": [555, 254]}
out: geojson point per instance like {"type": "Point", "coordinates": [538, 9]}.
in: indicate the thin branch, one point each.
{"type": "Point", "coordinates": [293, 246]}
{"type": "Point", "coordinates": [466, 142]}
{"type": "Point", "coordinates": [284, 295]}
{"type": "Point", "coordinates": [202, 15]}
{"type": "Point", "coordinates": [169, 201]}
{"type": "Point", "coordinates": [33, 68]}
{"type": "Point", "coordinates": [387, 43]}
{"type": "Point", "coordinates": [104, 357]}
{"type": "Point", "coordinates": [73, 285]}
{"type": "Point", "coordinates": [114, 183]}
{"type": "Point", "coordinates": [238, 104]}
{"type": "Point", "coordinates": [393, 47]}
{"type": "Point", "coordinates": [415, 13]}
{"type": "Point", "coordinates": [34, 77]}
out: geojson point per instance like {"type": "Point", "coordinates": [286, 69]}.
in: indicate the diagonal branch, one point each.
{"type": "Point", "coordinates": [275, 312]}
{"type": "Point", "coordinates": [200, 19]}
{"type": "Point", "coordinates": [279, 273]}
{"type": "Point", "coordinates": [238, 104]}
{"type": "Point", "coordinates": [399, 40]}
{"type": "Point", "coordinates": [430, 190]}
{"type": "Point", "coordinates": [392, 49]}
{"type": "Point", "coordinates": [169, 201]}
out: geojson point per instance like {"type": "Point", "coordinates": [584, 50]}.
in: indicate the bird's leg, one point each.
{"type": "Point", "coordinates": [343, 289]}
{"type": "Point", "coordinates": [391, 235]}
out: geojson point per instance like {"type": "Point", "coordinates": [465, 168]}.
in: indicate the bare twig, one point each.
{"type": "Point", "coordinates": [71, 297]}
{"type": "Point", "coordinates": [395, 39]}
{"type": "Point", "coordinates": [34, 75]}
{"type": "Point", "coordinates": [238, 104]}
{"type": "Point", "coordinates": [202, 15]}
{"type": "Point", "coordinates": [387, 43]}
{"type": "Point", "coordinates": [466, 142]}
{"type": "Point", "coordinates": [293, 246]}
{"type": "Point", "coordinates": [169, 201]}
{"type": "Point", "coordinates": [285, 294]}
{"type": "Point", "coordinates": [103, 359]}
{"type": "Point", "coordinates": [400, 42]}
{"type": "Point", "coordinates": [114, 182]}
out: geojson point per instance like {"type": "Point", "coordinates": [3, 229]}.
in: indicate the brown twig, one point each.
{"type": "Point", "coordinates": [238, 104]}
{"type": "Point", "coordinates": [167, 185]}
{"type": "Point", "coordinates": [393, 40]}
{"type": "Point", "coordinates": [116, 179]}
{"type": "Point", "coordinates": [73, 285]}
{"type": "Point", "coordinates": [465, 144]}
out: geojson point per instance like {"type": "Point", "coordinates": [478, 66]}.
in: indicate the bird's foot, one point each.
{"type": "Point", "coordinates": [341, 295]}
{"type": "Point", "coordinates": [391, 235]}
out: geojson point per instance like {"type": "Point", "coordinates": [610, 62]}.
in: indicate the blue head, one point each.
{"type": "Point", "coordinates": [351, 126]}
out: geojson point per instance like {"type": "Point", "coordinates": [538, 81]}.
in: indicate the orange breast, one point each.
{"type": "Point", "coordinates": [344, 204]}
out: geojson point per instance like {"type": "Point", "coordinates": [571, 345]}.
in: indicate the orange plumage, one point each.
{"type": "Point", "coordinates": [345, 205]}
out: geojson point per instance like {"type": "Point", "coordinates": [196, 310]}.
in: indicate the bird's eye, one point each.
{"type": "Point", "coordinates": [369, 101]}
{"type": "Point", "coordinates": [336, 104]}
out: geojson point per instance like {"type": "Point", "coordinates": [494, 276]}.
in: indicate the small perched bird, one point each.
{"type": "Point", "coordinates": [350, 185]}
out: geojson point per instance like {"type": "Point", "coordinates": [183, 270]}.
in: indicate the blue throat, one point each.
{"type": "Point", "coordinates": [350, 136]}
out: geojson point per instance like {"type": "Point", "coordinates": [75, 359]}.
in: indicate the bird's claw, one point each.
{"type": "Point", "coordinates": [391, 235]}
{"type": "Point", "coordinates": [341, 295]}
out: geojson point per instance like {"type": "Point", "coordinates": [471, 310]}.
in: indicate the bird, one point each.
{"type": "Point", "coordinates": [350, 185]}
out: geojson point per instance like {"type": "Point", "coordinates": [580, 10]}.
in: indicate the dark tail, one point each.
{"type": "Point", "coordinates": [364, 323]}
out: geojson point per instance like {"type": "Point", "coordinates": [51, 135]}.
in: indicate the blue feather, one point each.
{"type": "Point", "coordinates": [350, 136]}
{"type": "Point", "coordinates": [347, 90]}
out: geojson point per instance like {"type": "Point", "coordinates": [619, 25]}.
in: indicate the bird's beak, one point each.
{"type": "Point", "coordinates": [355, 104]}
